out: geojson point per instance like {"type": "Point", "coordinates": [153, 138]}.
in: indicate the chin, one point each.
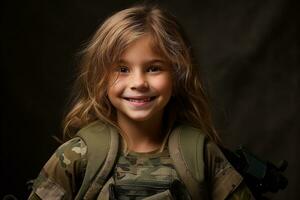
{"type": "Point", "coordinates": [139, 118]}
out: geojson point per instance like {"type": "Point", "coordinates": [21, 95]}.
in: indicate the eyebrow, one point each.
{"type": "Point", "coordinates": [147, 62]}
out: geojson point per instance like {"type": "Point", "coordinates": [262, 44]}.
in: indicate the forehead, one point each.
{"type": "Point", "coordinates": [142, 50]}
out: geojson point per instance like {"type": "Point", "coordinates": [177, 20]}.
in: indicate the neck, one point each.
{"type": "Point", "coordinates": [142, 136]}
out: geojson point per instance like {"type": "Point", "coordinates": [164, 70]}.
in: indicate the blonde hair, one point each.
{"type": "Point", "coordinates": [90, 100]}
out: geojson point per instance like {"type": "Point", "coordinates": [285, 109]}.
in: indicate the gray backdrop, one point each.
{"type": "Point", "coordinates": [249, 56]}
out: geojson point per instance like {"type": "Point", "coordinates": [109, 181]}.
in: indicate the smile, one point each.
{"type": "Point", "coordinates": [139, 99]}
{"type": "Point", "coordinates": [140, 102]}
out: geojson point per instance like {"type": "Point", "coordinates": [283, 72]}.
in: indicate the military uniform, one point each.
{"type": "Point", "coordinates": [135, 175]}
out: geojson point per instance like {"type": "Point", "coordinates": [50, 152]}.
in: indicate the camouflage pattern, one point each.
{"type": "Point", "coordinates": [136, 175]}
{"type": "Point", "coordinates": [140, 175]}
{"type": "Point", "coordinates": [61, 176]}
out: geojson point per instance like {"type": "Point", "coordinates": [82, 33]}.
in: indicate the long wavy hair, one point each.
{"type": "Point", "coordinates": [189, 103]}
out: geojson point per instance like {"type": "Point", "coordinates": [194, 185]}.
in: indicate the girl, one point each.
{"type": "Point", "coordinates": [138, 77]}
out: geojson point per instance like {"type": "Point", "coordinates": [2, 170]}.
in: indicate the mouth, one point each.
{"type": "Point", "coordinates": [139, 99]}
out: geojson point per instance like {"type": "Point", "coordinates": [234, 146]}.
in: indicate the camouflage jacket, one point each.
{"type": "Point", "coordinates": [135, 175]}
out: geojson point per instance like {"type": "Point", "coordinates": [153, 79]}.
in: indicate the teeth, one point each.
{"type": "Point", "coordinates": [140, 100]}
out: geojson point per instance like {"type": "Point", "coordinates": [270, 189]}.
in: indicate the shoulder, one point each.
{"type": "Point", "coordinates": [194, 140]}
{"type": "Point", "coordinates": [188, 133]}
{"type": "Point", "coordinates": [205, 159]}
{"type": "Point", "coordinates": [94, 127]}
{"type": "Point", "coordinates": [96, 133]}
{"type": "Point", "coordinates": [71, 151]}
{"type": "Point", "coordinates": [223, 179]}
{"type": "Point", "coordinates": [186, 147]}
{"type": "Point", "coordinates": [63, 172]}
{"type": "Point", "coordinates": [69, 158]}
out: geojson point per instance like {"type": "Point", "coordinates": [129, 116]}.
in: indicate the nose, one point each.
{"type": "Point", "coordinates": [139, 82]}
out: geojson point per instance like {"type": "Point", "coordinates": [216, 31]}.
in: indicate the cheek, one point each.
{"type": "Point", "coordinates": [163, 85]}
{"type": "Point", "coordinates": [114, 90]}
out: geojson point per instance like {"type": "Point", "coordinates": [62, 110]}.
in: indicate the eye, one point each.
{"type": "Point", "coordinates": [154, 68]}
{"type": "Point", "coordinates": [122, 69]}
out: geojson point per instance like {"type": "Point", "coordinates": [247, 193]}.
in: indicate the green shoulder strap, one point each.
{"type": "Point", "coordinates": [103, 144]}
{"type": "Point", "coordinates": [186, 147]}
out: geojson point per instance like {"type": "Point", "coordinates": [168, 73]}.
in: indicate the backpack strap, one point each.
{"type": "Point", "coordinates": [102, 145]}
{"type": "Point", "coordinates": [186, 147]}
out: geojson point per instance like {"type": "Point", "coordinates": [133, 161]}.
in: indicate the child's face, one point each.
{"type": "Point", "coordinates": [140, 85]}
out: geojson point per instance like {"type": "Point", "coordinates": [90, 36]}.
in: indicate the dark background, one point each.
{"type": "Point", "coordinates": [248, 50]}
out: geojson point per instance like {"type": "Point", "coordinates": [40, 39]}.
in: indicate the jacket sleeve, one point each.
{"type": "Point", "coordinates": [62, 175]}
{"type": "Point", "coordinates": [223, 180]}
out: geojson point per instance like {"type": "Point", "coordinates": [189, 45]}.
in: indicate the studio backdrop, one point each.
{"type": "Point", "coordinates": [249, 59]}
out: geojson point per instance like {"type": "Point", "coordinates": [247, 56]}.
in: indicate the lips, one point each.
{"type": "Point", "coordinates": [139, 99]}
